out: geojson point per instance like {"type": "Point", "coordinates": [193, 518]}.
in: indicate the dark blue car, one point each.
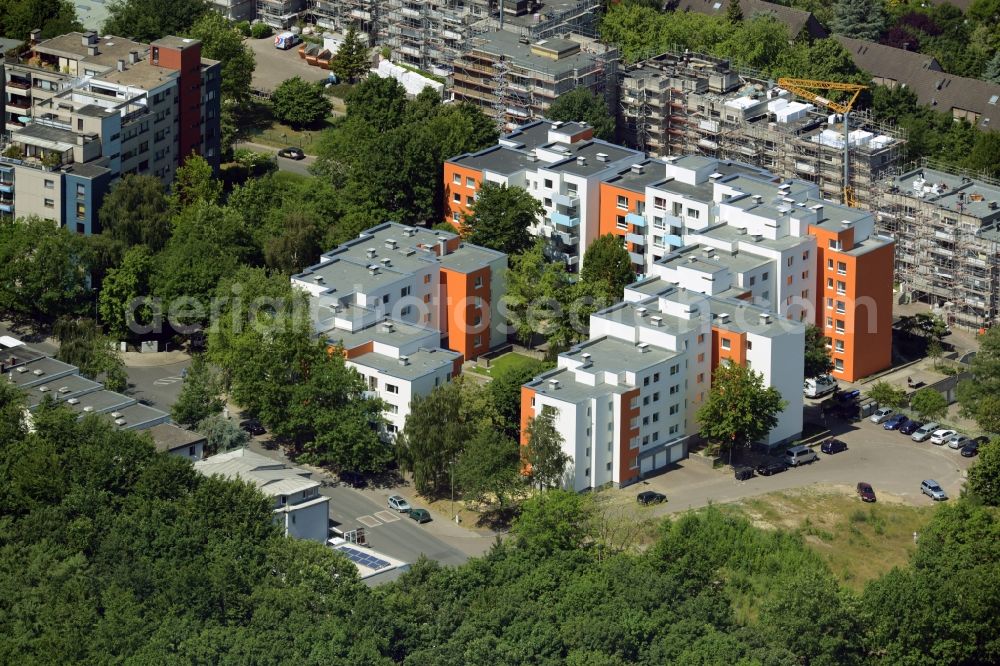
{"type": "Point", "coordinates": [848, 396]}
{"type": "Point", "coordinates": [910, 427]}
{"type": "Point", "coordinates": [895, 422]}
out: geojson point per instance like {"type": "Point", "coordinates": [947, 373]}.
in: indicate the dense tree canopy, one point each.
{"type": "Point", "coordinates": [739, 409]}
{"type": "Point", "coordinates": [607, 265]}
{"type": "Point", "coordinates": [149, 20]}
{"type": "Point", "coordinates": [299, 103]}
{"type": "Point", "coordinates": [83, 345]}
{"type": "Point", "coordinates": [136, 211]}
{"type": "Point", "coordinates": [980, 396]}
{"type": "Point", "coordinates": [817, 358]}
{"type": "Point", "coordinates": [500, 218]}
{"type": "Point", "coordinates": [53, 17]}
{"type": "Point", "coordinates": [581, 104]}
{"type": "Point", "coordinates": [221, 41]}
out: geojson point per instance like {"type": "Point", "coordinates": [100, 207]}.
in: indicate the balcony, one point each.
{"type": "Point", "coordinates": [19, 84]}
{"type": "Point", "coordinates": [637, 258]}
{"type": "Point", "coordinates": [635, 220]}
{"type": "Point", "coordinates": [635, 239]}
{"type": "Point", "coordinates": [568, 200]}
{"type": "Point", "coordinates": [564, 220]}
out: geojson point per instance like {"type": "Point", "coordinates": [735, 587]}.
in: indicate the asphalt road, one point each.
{"type": "Point", "coordinates": [159, 386]}
{"type": "Point", "coordinates": [300, 167]}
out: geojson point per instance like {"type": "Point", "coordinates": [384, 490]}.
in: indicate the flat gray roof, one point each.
{"type": "Point", "coordinates": [628, 179]}
{"type": "Point", "coordinates": [694, 256]}
{"type": "Point", "coordinates": [167, 437]}
{"type": "Point", "coordinates": [420, 363]}
{"type": "Point", "coordinates": [399, 334]}
{"type": "Point", "coordinates": [498, 159]}
{"type": "Point", "coordinates": [101, 401]}
{"type": "Point", "coordinates": [470, 258]}
{"type": "Point", "coordinates": [729, 234]}
{"type": "Point", "coordinates": [61, 389]}
{"type": "Point", "coordinates": [139, 417]}
{"type": "Point", "coordinates": [952, 192]}
{"type": "Point", "coordinates": [508, 45]}
{"type": "Point", "coordinates": [40, 371]}
{"type": "Point", "coordinates": [589, 150]}
{"type": "Point", "coordinates": [110, 49]}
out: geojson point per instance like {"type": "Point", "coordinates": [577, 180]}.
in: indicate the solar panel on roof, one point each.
{"type": "Point", "coordinates": [363, 558]}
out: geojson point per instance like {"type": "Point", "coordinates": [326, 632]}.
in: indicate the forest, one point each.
{"type": "Point", "coordinates": [112, 553]}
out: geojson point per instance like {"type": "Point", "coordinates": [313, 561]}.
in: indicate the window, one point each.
{"type": "Point", "coordinates": [620, 222]}
{"type": "Point", "coordinates": [701, 338]}
{"type": "Point", "coordinates": [805, 294]}
{"type": "Point", "coordinates": [753, 280]}
{"type": "Point", "coordinates": [674, 369]}
{"type": "Point", "coordinates": [834, 244]}
{"type": "Point", "coordinates": [392, 409]}
{"type": "Point", "coordinates": [656, 376]}
{"type": "Point", "coordinates": [456, 179]}
{"type": "Point", "coordinates": [788, 280]}
{"type": "Point", "coordinates": [805, 275]}
{"type": "Point", "coordinates": [571, 189]}
{"type": "Point", "coordinates": [838, 345]}
{"type": "Point", "coordinates": [608, 466]}
{"type": "Point", "coordinates": [454, 216]}
{"type": "Point", "coordinates": [548, 183]}
{"type": "Point", "coordinates": [586, 472]}
{"type": "Point", "coordinates": [841, 308]}
{"type": "Point", "coordinates": [749, 344]}
{"type": "Point", "coordinates": [548, 202]}
{"type": "Point", "coordinates": [673, 429]}
{"type": "Point", "coordinates": [674, 409]}
{"type": "Point", "coordinates": [477, 341]}
{"type": "Point", "coordinates": [701, 377]}
{"type": "Point", "coordinates": [49, 184]}
{"type": "Point", "coordinates": [693, 213]}
{"type": "Point", "coordinates": [656, 417]}
{"type": "Point", "coordinates": [841, 287]}
{"type": "Point", "coordinates": [479, 281]}
{"type": "Point", "coordinates": [470, 182]}
{"type": "Point", "coordinates": [81, 228]}
{"type": "Point", "coordinates": [659, 203]}
{"type": "Point", "coordinates": [81, 190]}
{"type": "Point", "coordinates": [469, 201]}
{"type": "Point", "coordinates": [656, 396]}
{"type": "Point", "coordinates": [427, 278]}
{"type": "Point", "coordinates": [829, 304]}
{"type": "Point", "coordinates": [766, 295]}
{"type": "Point", "coordinates": [658, 223]}
{"type": "Point", "coordinates": [788, 300]}
{"type": "Point", "coordinates": [838, 365]}
{"type": "Point", "coordinates": [805, 255]}
{"type": "Point", "coordinates": [622, 202]}
{"type": "Point", "coordinates": [79, 124]}
{"type": "Point", "coordinates": [726, 344]}
{"type": "Point", "coordinates": [385, 298]}
{"type": "Point", "coordinates": [391, 388]}
{"type": "Point", "coordinates": [405, 291]}
{"type": "Point", "coordinates": [656, 436]}
{"type": "Point", "coordinates": [645, 381]}
{"type": "Point", "coordinates": [765, 276]}
{"type": "Point", "coordinates": [645, 420]}
{"type": "Point", "coordinates": [789, 262]}
{"type": "Point", "coordinates": [645, 401]}
{"type": "Point", "coordinates": [829, 322]}
{"type": "Point", "coordinates": [675, 388]}
{"type": "Point", "coordinates": [81, 211]}
{"type": "Point", "coordinates": [49, 203]}
{"type": "Point", "coordinates": [701, 357]}
{"type": "Point", "coordinates": [456, 197]}
{"type": "Point", "coordinates": [840, 326]}
{"type": "Point", "coordinates": [829, 283]}
{"type": "Point", "coordinates": [405, 312]}
{"type": "Point", "coordinates": [841, 268]}
{"type": "Point", "coordinates": [829, 264]}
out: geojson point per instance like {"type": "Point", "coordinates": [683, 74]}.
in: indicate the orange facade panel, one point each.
{"type": "Point", "coordinates": [627, 456]}
{"type": "Point", "coordinates": [466, 324]}
{"type": "Point", "coordinates": [457, 194]}
{"type": "Point", "coordinates": [728, 346]}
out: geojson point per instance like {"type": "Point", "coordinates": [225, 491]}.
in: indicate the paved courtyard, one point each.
{"type": "Point", "coordinates": [274, 66]}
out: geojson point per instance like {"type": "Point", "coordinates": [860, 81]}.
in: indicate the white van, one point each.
{"type": "Point", "coordinates": [924, 431]}
{"type": "Point", "coordinates": [815, 387]}
{"type": "Point", "coordinates": [800, 455]}
{"type": "Point", "coordinates": [286, 40]}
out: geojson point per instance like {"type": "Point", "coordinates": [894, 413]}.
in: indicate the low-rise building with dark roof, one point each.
{"type": "Point", "coordinates": [798, 21]}
{"type": "Point", "coordinates": [172, 439]}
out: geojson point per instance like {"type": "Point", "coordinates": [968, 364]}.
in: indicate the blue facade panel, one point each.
{"type": "Point", "coordinates": [82, 199]}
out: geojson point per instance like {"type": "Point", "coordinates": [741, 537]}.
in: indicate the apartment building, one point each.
{"type": "Point", "coordinates": [625, 401]}
{"type": "Point", "coordinates": [679, 103]}
{"type": "Point", "coordinates": [298, 507]}
{"type": "Point", "coordinates": [736, 230]}
{"type": "Point", "coordinates": [947, 231]}
{"type": "Point", "coordinates": [517, 80]}
{"type": "Point", "coordinates": [81, 111]}
{"type": "Point", "coordinates": [236, 10]}
{"type": "Point", "coordinates": [406, 306]}
{"type": "Point", "coordinates": [560, 164]}
{"type": "Point", "coordinates": [281, 14]}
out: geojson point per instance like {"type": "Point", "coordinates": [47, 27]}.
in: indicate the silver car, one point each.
{"type": "Point", "coordinates": [881, 415]}
{"type": "Point", "coordinates": [957, 441]}
{"type": "Point", "coordinates": [932, 489]}
{"type": "Point", "coordinates": [398, 503]}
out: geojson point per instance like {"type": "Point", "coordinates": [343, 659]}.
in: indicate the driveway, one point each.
{"type": "Point", "coordinates": [274, 66]}
{"type": "Point", "coordinates": [300, 167]}
{"type": "Point", "coordinates": [891, 462]}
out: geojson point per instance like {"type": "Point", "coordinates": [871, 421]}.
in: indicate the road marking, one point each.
{"type": "Point", "coordinates": [387, 516]}
{"type": "Point", "coordinates": [369, 521]}
{"type": "Point", "coordinates": [167, 381]}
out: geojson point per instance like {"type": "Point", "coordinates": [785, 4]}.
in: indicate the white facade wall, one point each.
{"type": "Point", "coordinates": [311, 521]}
{"type": "Point", "coordinates": [780, 359]}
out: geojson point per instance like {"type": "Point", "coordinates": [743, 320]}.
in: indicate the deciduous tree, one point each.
{"type": "Point", "coordinates": [887, 395]}
{"type": "Point", "coordinates": [149, 20]}
{"type": "Point", "coordinates": [351, 59]}
{"type": "Point", "coordinates": [122, 301]}
{"type": "Point", "coordinates": [929, 404]}
{"type": "Point", "coordinates": [298, 103]}
{"type": "Point", "coordinates": [817, 360]}
{"type": "Point", "coordinates": [220, 40]}
{"type": "Point", "coordinates": [82, 344]}
{"type": "Point", "coordinates": [137, 211]}
{"type": "Point", "coordinates": [863, 19]}
{"type": "Point", "coordinates": [194, 181]}
{"type": "Point", "coordinates": [53, 17]}
{"type": "Point", "coordinates": [543, 451]}
{"type": "Point", "coordinates": [221, 434]}
{"type": "Point", "coordinates": [608, 267]}
{"type": "Point", "coordinates": [488, 470]}
{"type": "Point", "coordinates": [980, 396]}
{"type": "Point", "coordinates": [200, 395]}
{"type": "Point", "coordinates": [582, 105]}
{"type": "Point", "coordinates": [500, 218]}
{"type": "Point", "coordinates": [739, 409]}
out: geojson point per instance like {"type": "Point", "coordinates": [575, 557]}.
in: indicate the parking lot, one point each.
{"type": "Point", "coordinates": [274, 66]}
{"type": "Point", "coordinates": [891, 462]}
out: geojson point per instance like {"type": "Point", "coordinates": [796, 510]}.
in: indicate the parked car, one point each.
{"type": "Point", "coordinates": [957, 441]}
{"type": "Point", "coordinates": [932, 489]}
{"type": "Point", "coordinates": [924, 432]}
{"type": "Point", "coordinates": [743, 473]}
{"type": "Point", "coordinates": [292, 153]}
{"type": "Point", "coordinates": [769, 467]}
{"type": "Point", "coordinates": [848, 396]}
{"type": "Point", "coordinates": [895, 422]}
{"type": "Point", "coordinates": [420, 515]}
{"type": "Point", "coordinates": [881, 414]}
{"type": "Point", "coordinates": [942, 435]}
{"type": "Point", "coordinates": [800, 455]}
{"type": "Point", "coordinates": [253, 427]}
{"type": "Point", "coordinates": [981, 440]}
{"type": "Point", "coordinates": [832, 446]}
{"type": "Point", "coordinates": [650, 497]}
{"type": "Point", "coordinates": [353, 479]}
{"type": "Point", "coordinates": [816, 387]}
{"type": "Point", "coordinates": [970, 449]}
{"type": "Point", "coordinates": [910, 427]}
{"type": "Point", "coordinates": [866, 492]}
{"type": "Point", "coordinates": [397, 503]}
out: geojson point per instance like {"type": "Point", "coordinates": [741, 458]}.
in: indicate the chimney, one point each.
{"type": "Point", "coordinates": [92, 51]}
{"type": "Point", "coordinates": [532, 156]}
{"type": "Point", "coordinates": [370, 253]}
{"type": "Point", "coordinates": [765, 318]}
{"type": "Point", "coordinates": [133, 57]}
{"type": "Point", "coordinates": [390, 244]}
{"type": "Point", "coordinates": [581, 160]}
{"type": "Point", "coordinates": [34, 36]}
{"type": "Point", "coordinates": [442, 246]}
{"type": "Point", "coordinates": [87, 39]}
{"type": "Point", "coordinates": [404, 360]}
{"type": "Point", "coordinates": [586, 361]}
{"type": "Point", "coordinates": [121, 64]}
{"type": "Point", "coordinates": [656, 321]}
{"type": "Point", "coordinates": [602, 157]}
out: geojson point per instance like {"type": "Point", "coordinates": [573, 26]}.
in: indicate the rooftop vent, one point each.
{"type": "Point", "coordinates": [390, 244]}
{"type": "Point", "coordinates": [641, 312]}
{"type": "Point", "coordinates": [708, 251]}
{"type": "Point", "coordinates": [43, 389]}
{"type": "Point", "coordinates": [638, 168]}
{"type": "Point", "coordinates": [409, 252]}
{"type": "Point", "coordinates": [581, 160]}
{"type": "Point", "coordinates": [119, 422]}
{"type": "Point", "coordinates": [88, 409]}
{"type": "Point", "coordinates": [723, 317]}
{"type": "Point", "coordinates": [758, 198]}
{"type": "Point", "coordinates": [993, 205]}
{"type": "Point", "coordinates": [656, 321]}
{"type": "Point", "coordinates": [409, 232]}
{"type": "Point", "coordinates": [22, 369]}
{"type": "Point", "coordinates": [643, 347]}
{"type": "Point", "coordinates": [133, 57]}
{"type": "Point", "coordinates": [38, 372]}
{"type": "Point", "coordinates": [586, 360]}
{"type": "Point", "coordinates": [116, 415]}
{"type": "Point", "coordinates": [554, 384]}
{"type": "Point", "coordinates": [386, 262]}
{"type": "Point", "coordinates": [370, 253]}
{"type": "Point", "coordinates": [532, 156]}
{"type": "Point", "coordinates": [388, 327]}
{"type": "Point", "coordinates": [373, 269]}
{"type": "Point", "coordinates": [73, 401]}
{"type": "Point", "coordinates": [602, 157]}
{"type": "Point", "coordinates": [715, 176]}
{"type": "Point", "coordinates": [121, 64]}
{"type": "Point", "coordinates": [404, 360]}
{"type": "Point", "coordinates": [765, 318]}
{"type": "Point", "coordinates": [64, 389]}
{"type": "Point", "coordinates": [757, 238]}
{"type": "Point", "coordinates": [92, 50]}
{"type": "Point", "coordinates": [320, 279]}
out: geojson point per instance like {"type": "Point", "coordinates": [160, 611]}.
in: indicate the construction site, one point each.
{"type": "Point", "coordinates": [681, 103]}
{"type": "Point", "coordinates": [947, 230]}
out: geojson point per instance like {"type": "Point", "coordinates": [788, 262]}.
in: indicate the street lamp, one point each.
{"type": "Point", "coordinates": [451, 466]}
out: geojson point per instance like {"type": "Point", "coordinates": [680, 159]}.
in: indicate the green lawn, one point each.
{"type": "Point", "coordinates": [505, 362]}
{"type": "Point", "coordinates": [280, 136]}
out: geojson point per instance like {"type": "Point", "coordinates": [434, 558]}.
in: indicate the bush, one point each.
{"type": "Point", "coordinates": [260, 31]}
{"type": "Point", "coordinates": [243, 27]}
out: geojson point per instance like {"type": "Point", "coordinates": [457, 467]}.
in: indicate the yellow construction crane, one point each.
{"type": "Point", "coordinates": [807, 89]}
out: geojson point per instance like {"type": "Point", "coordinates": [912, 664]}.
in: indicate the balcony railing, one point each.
{"type": "Point", "coordinates": [564, 220]}
{"type": "Point", "coordinates": [635, 219]}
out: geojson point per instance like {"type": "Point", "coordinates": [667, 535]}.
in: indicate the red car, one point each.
{"type": "Point", "coordinates": [866, 492]}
